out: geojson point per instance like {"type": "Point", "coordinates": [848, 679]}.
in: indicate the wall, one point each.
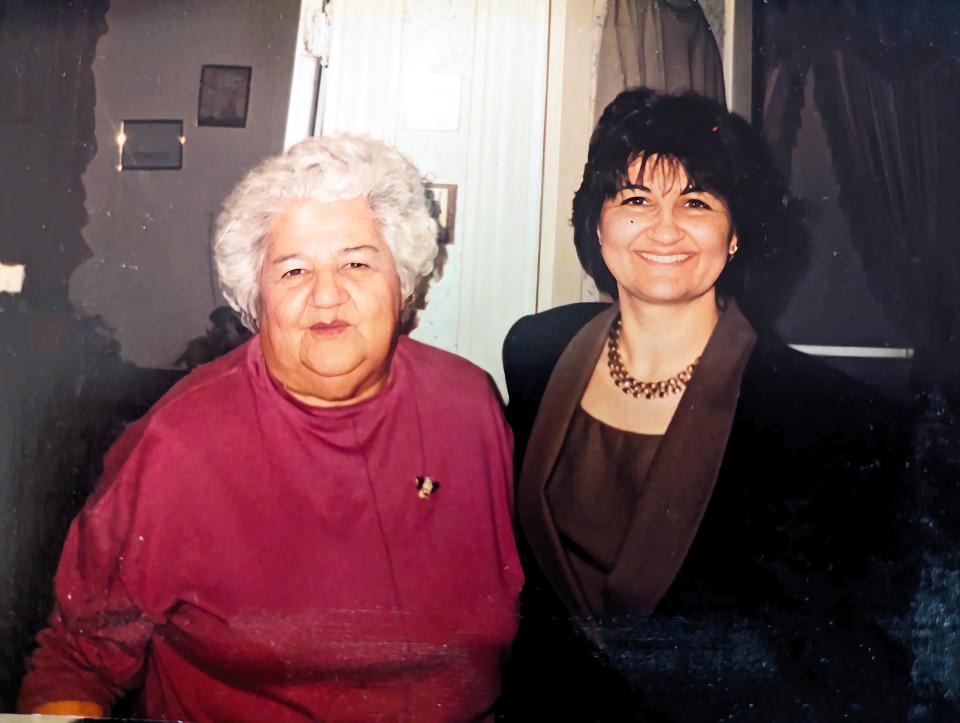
{"type": "Point", "coordinates": [150, 276]}
{"type": "Point", "coordinates": [574, 42]}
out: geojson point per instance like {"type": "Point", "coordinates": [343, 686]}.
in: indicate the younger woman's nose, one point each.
{"type": "Point", "coordinates": [664, 229]}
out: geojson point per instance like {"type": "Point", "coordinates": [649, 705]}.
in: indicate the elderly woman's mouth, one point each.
{"type": "Point", "coordinates": [330, 328]}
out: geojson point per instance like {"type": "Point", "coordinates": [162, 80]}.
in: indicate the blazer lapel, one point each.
{"type": "Point", "coordinates": [683, 473]}
{"type": "Point", "coordinates": [560, 399]}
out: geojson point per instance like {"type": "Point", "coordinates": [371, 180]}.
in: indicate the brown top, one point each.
{"type": "Point", "coordinates": [599, 477]}
{"type": "Point", "coordinates": [668, 504]}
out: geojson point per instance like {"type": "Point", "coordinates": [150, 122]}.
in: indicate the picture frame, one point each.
{"type": "Point", "coordinates": [442, 199]}
{"type": "Point", "coordinates": [224, 95]}
{"type": "Point", "coordinates": [151, 145]}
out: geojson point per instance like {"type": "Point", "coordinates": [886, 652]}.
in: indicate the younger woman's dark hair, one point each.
{"type": "Point", "coordinates": [719, 152]}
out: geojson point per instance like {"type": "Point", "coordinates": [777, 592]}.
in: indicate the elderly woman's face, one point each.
{"type": "Point", "coordinates": [329, 302]}
{"type": "Point", "coordinates": [664, 240]}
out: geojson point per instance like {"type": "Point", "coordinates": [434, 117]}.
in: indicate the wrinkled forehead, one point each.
{"type": "Point", "coordinates": [340, 222]}
{"type": "Point", "coordinates": [656, 170]}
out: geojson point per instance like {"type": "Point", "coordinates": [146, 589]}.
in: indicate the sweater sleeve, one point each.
{"type": "Point", "coordinates": [94, 646]}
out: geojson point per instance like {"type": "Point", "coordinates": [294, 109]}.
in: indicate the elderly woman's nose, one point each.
{"type": "Point", "coordinates": [327, 289]}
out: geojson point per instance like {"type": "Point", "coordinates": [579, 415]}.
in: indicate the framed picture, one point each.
{"type": "Point", "coordinates": [151, 145]}
{"type": "Point", "coordinates": [442, 198]}
{"type": "Point", "coordinates": [224, 95]}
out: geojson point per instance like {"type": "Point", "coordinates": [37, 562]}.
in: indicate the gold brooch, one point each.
{"type": "Point", "coordinates": [426, 487]}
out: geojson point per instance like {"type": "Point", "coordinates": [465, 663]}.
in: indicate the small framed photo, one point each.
{"type": "Point", "coordinates": [151, 145]}
{"type": "Point", "coordinates": [224, 95]}
{"type": "Point", "coordinates": [442, 199]}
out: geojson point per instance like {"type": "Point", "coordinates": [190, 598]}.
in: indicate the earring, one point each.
{"type": "Point", "coordinates": [733, 251]}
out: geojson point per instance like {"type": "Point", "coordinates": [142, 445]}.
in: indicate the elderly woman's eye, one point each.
{"type": "Point", "coordinates": [357, 265]}
{"type": "Point", "coordinates": [293, 272]}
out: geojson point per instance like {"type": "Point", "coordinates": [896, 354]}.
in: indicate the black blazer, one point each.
{"type": "Point", "coordinates": [785, 606]}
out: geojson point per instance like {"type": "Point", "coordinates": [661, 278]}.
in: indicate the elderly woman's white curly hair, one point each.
{"type": "Point", "coordinates": [328, 168]}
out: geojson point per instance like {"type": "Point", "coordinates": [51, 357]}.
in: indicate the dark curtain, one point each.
{"type": "Point", "coordinates": [887, 87]}
{"type": "Point", "coordinates": [892, 131]}
{"type": "Point", "coordinates": [661, 44]}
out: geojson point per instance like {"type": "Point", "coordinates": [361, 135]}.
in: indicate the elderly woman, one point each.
{"type": "Point", "coordinates": [699, 502]}
{"type": "Point", "coordinates": [318, 525]}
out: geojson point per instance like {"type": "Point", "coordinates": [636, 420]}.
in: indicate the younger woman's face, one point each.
{"type": "Point", "coordinates": [664, 240]}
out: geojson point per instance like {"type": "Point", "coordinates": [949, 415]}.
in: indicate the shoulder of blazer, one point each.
{"type": "Point", "coordinates": [535, 342]}
{"type": "Point", "coordinates": [530, 352]}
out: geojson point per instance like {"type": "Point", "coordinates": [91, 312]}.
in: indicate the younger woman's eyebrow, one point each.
{"type": "Point", "coordinates": [634, 187]}
{"type": "Point", "coordinates": [692, 188]}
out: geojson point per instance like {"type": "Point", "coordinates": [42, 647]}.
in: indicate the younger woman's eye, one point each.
{"type": "Point", "coordinates": [697, 203]}
{"type": "Point", "coordinates": [635, 201]}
